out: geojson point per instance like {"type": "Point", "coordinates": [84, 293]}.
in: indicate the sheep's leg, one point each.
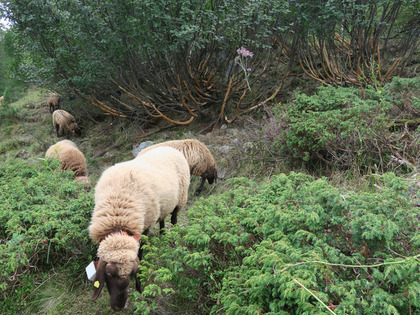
{"type": "Point", "coordinates": [161, 226]}
{"type": "Point", "coordinates": [140, 253]}
{"type": "Point", "coordinates": [57, 127]}
{"type": "Point", "coordinates": [138, 285]}
{"type": "Point", "coordinates": [174, 216]}
{"type": "Point", "coordinates": [200, 188]}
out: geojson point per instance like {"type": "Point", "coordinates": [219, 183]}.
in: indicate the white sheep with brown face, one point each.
{"type": "Point", "coordinates": [71, 158]}
{"type": "Point", "coordinates": [199, 157]}
{"type": "Point", "coordinates": [54, 102]}
{"type": "Point", "coordinates": [130, 198]}
{"type": "Point", "coordinates": [64, 122]}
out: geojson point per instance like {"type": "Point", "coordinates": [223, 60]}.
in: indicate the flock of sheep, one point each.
{"type": "Point", "coordinates": [130, 198]}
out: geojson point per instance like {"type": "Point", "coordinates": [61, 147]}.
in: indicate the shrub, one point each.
{"type": "Point", "coordinates": [44, 217]}
{"type": "Point", "coordinates": [287, 246]}
{"type": "Point", "coordinates": [342, 126]}
{"type": "Point", "coordinates": [353, 128]}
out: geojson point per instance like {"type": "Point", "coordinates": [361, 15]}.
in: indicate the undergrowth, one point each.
{"type": "Point", "coordinates": [353, 128]}
{"type": "Point", "coordinates": [44, 219]}
{"type": "Point", "coordinates": [293, 245]}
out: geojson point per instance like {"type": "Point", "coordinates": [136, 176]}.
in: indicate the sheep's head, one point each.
{"type": "Point", "coordinates": [211, 176]}
{"type": "Point", "coordinates": [75, 129]}
{"type": "Point", "coordinates": [118, 262]}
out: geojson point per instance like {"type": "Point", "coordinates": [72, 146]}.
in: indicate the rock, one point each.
{"type": "Point", "coordinates": [142, 146]}
{"type": "Point", "coordinates": [23, 154]}
{"type": "Point", "coordinates": [225, 149]}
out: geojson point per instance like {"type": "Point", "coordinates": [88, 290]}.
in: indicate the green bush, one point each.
{"type": "Point", "coordinates": [358, 128]}
{"type": "Point", "coordinates": [44, 217]}
{"type": "Point", "coordinates": [342, 126]}
{"type": "Point", "coordinates": [286, 247]}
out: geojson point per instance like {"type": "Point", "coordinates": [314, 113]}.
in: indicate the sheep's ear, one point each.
{"type": "Point", "coordinates": [137, 237]}
{"type": "Point", "coordinates": [99, 280]}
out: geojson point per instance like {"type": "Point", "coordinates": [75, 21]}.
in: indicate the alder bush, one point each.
{"type": "Point", "coordinates": [44, 217]}
{"type": "Point", "coordinates": [176, 59]}
{"type": "Point", "coordinates": [293, 245]}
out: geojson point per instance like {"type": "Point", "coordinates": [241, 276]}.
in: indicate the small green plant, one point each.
{"type": "Point", "coordinates": [293, 245]}
{"type": "Point", "coordinates": [44, 217]}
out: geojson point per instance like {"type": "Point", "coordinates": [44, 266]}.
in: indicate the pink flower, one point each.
{"type": "Point", "coordinates": [249, 69]}
{"type": "Point", "coordinates": [244, 52]}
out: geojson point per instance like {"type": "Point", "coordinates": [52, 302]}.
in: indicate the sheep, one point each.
{"type": "Point", "coordinates": [71, 158]}
{"type": "Point", "coordinates": [130, 198]}
{"type": "Point", "coordinates": [1, 99]}
{"type": "Point", "coordinates": [199, 159]}
{"type": "Point", "coordinates": [64, 121]}
{"type": "Point", "coordinates": [54, 102]}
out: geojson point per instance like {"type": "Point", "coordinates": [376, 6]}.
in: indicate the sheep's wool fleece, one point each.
{"type": "Point", "coordinates": [70, 156]}
{"type": "Point", "coordinates": [61, 117]}
{"type": "Point", "coordinates": [133, 196]}
{"type": "Point", "coordinates": [198, 156]}
{"type": "Point", "coordinates": [120, 249]}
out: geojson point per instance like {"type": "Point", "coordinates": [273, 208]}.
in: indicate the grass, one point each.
{"type": "Point", "coordinates": [34, 97]}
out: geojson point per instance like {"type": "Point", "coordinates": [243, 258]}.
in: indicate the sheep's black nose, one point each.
{"type": "Point", "coordinates": [116, 308]}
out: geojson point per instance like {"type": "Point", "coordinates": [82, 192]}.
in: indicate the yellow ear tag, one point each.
{"type": "Point", "coordinates": [96, 284]}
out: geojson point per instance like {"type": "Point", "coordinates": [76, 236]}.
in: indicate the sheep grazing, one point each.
{"type": "Point", "coordinates": [130, 198]}
{"type": "Point", "coordinates": [71, 158]}
{"type": "Point", "coordinates": [199, 159]}
{"type": "Point", "coordinates": [54, 102]}
{"type": "Point", "coordinates": [64, 121]}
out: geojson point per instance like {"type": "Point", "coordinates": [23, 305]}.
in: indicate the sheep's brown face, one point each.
{"type": "Point", "coordinates": [117, 287]}
{"type": "Point", "coordinates": [75, 130]}
{"type": "Point", "coordinates": [211, 176]}
{"type": "Point", "coordinates": [117, 284]}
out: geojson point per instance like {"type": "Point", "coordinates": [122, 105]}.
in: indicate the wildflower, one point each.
{"type": "Point", "coordinates": [244, 52]}
{"type": "Point", "coordinates": [379, 91]}
{"type": "Point", "coordinates": [242, 60]}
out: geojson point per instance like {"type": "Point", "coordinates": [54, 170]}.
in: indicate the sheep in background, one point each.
{"type": "Point", "coordinates": [199, 159]}
{"type": "Point", "coordinates": [1, 99]}
{"type": "Point", "coordinates": [130, 198]}
{"type": "Point", "coordinates": [64, 121]}
{"type": "Point", "coordinates": [54, 102]}
{"type": "Point", "coordinates": [70, 156]}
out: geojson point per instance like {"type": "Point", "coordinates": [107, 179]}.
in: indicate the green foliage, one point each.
{"type": "Point", "coordinates": [44, 217]}
{"type": "Point", "coordinates": [362, 129]}
{"type": "Point", "coordinates": [246, 250]}
{"type": "Point", "coordinates": [340, 125]}
{"type": "Point", "coordinates": [7, 113]}
{"type": "Point", "coordinates": [8, 82]}
{"type": "Point", "coordinates": [82, 44]}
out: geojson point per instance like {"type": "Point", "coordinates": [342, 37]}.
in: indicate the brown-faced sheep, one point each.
{"type": "Point", "coordinates": [54, 102]}
{"type": "Point", "coordinates": [130, 198]}
{"type": "Point", "coordinates": [199, 159]}
{"type": "Point", "coordinates": [64, 121]}
{"type": "Point", "coordinates": [70, 156]}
